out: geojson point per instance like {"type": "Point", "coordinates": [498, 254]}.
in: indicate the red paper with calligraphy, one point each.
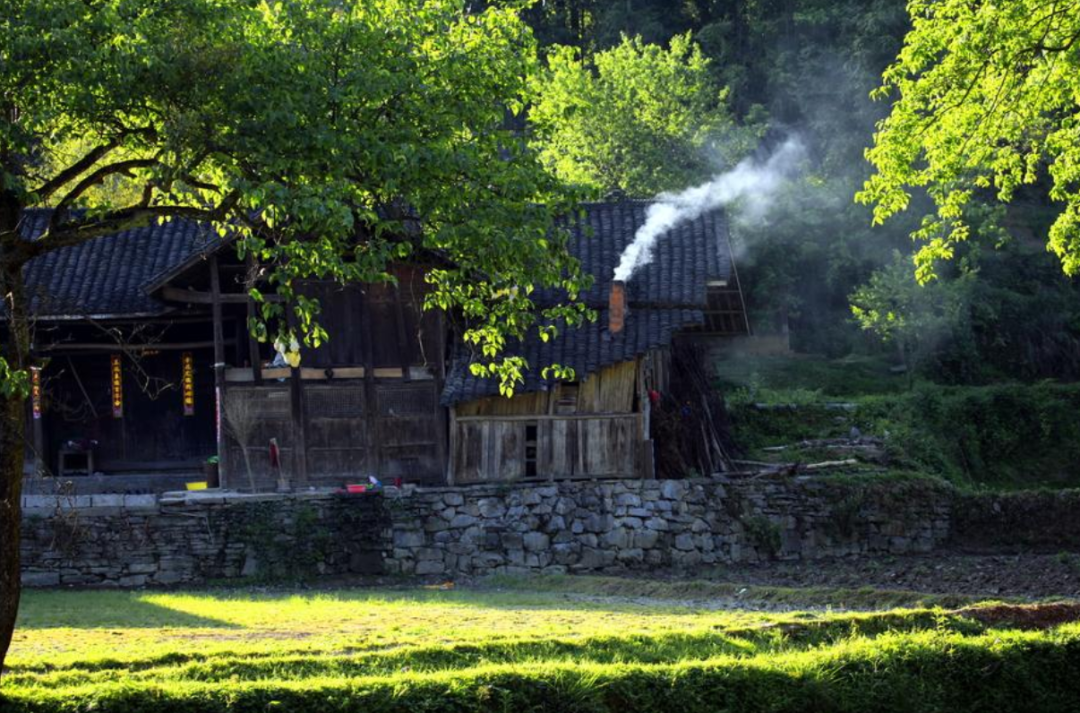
{"type": "Point", "coordinates": [35, 390]}
{"type": "Point", "coordinates": [188, 383]}
{"type": "Point", "coordinates": [117, 387]}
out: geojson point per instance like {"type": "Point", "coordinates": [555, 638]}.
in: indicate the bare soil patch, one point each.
{"type": "Point", "coordinates": [1027, 576]}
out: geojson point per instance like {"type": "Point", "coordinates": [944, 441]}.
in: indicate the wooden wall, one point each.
{"type": "Point", "coordinates": [377, 323]}
{"type": "Point", "coordinates": [153, 433]}
{"type": "Point", "coordinates": [610, 390]}
{"type": "Point", "coordinates": [392, 430]}
{"type": "Point", "coordinates": [592, 429]}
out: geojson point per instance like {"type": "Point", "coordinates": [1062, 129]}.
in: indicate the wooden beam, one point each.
{"type": "Point", "coordinates": [246, 375]}
{"type": "Point", "coordinates": [163, 347]}
{"type": "Point", "coordinates": [546, 417]}
{"type": "Point", "coordinates": [177, 294]}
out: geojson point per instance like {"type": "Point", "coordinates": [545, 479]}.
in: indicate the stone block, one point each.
{"type": "Point", "coordinates": [672, 489]}
{"type": "Point", "coordinates": [462, 520]}
{"type": "Point", "coordinates": [40, 579]}
{"type": "Point", "coordinates": [429, 567]}
{"type": "Point", "coordinates": [646, 539]}
{"type": "Point", "coordinates": [618, 539]}
{"type": "Point", "coordinates": [491, 508]}
{"type": "Point", "coordinates": [556, 522]}
{"type": "Point", "coordinates": [409, 538]}
{"type": "Point", "coordinates": [685, 542]}
{"type": "Point", "coordinates": [535, 541]}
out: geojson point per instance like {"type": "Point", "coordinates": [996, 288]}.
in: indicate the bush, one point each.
{"type": "Point", "coordinates": [1010, 435]}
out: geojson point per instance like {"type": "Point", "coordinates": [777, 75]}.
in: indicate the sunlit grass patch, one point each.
{"type": "Point", "coordinates": [563, 645]}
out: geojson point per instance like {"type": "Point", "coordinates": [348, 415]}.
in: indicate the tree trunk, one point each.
{"type": "Point", "coordinates": [16, 350]}
{"type": "Point", "coordinates": [11, 472]}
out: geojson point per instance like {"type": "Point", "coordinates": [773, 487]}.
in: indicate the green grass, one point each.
{"type": "Point", "coordinates": [591, 644]}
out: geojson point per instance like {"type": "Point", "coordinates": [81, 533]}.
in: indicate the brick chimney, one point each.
{"type": "Point", "coordinates": [617, 307]}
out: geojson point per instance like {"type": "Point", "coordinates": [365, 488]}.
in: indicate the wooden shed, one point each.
{"type": "Point", "coordinates": [600, 425]}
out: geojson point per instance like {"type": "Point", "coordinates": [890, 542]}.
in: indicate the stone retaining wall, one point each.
{"type": "Point", "coordinates": [678, 524]}
{"type": "Point", "coordinates": [613, 526]}
{"type": "Point", "coordinates": [200, 539]}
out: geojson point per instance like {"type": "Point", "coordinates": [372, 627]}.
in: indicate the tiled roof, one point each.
{"type": "Point", "coordinates": [665, 297]}
{"type": "Point", "coordinates": [586, 349]}
{"type": "Point", "coordinates": [106, 275]}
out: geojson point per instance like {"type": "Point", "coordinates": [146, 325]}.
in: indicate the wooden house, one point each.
{"type": "Point", "coordinates": [148, 370]}
{"type": "Point", "coordinates": [599, 426]}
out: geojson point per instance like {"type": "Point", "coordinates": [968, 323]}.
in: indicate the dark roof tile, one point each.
{"type": "Point", "coordinates": [106, 275]}
{"type": "Point", "coordinates": [666, 296]}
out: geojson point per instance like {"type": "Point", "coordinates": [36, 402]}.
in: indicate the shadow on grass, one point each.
{"type": "Point", "coordinates": [106, 610]}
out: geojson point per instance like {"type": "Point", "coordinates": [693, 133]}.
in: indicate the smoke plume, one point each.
{"type": "Point", "coordinates": [752, 182]}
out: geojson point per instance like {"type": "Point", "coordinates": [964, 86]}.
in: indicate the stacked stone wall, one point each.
{"type": "Point", "coordinates": [572, 527]}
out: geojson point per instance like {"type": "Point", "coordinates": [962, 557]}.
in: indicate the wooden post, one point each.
{"type": "Point", "coordinates": [219, 372]}
{"type": "Point", "coordinates": [449, 462]}
{"type": "Point", "coordinates": [299, 421]}
{"type": "Point", "coordinates": [299, 415]}
{"type": "Point", "coordinates": [253, 343]}
{"type": "Point", "coordinates": [370, 402]}
{"type": "Point", "coordinates": [404, 350]}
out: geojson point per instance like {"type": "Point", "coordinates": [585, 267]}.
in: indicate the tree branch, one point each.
{"type": "Point", "coordinates": [120, 167]}
{"type": "Point", "coordinates": [75, 170]}
{"type": "Point", "coordinates": [84, 164]}
{"type": "Point", "coordinates": [137, 216]}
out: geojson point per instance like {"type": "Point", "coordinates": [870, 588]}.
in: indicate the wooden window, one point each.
{"type": "Point", "coordinates": [567, 400]}
{"type": "Point", "coordinates": [531, 433]}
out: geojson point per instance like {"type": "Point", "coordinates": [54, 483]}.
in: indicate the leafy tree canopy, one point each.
{"type": "Point", "coordinates": [913, 317]}
{"type": "Point", "coordinates": [637, 117]}
{"type": "Point", "coordinates": [333, 136]}
{"type": "Point", "coordinates": [986, 100]}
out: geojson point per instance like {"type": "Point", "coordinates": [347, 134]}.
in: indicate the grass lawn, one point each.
{"type": "Point", "coordinates": [563, 644]}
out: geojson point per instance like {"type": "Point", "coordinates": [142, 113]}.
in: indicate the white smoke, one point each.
{"type": "Point", "coordinates": [751, 182]}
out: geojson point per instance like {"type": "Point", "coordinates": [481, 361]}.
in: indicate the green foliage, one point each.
{"type": "Point", "coordinates": [285, 549]}
{"type": "Point", "coordinates": [636, 117]}
{"type": "Point", "coordinates": [764, 533]}
{"type": "Point", "coordinates": [1000, 436]}
{"type": "Point", "coordinates": [779, 377]}
{"type": "Point", "coordinates": [382, 650]}
{"type": "Point", "coordinates": [914, 317]}
{"type": "Point", "coordinates": [331, 138]}
{"type": "Point", "coordinates": [984, 96]}
{"type": "Point", "coordinates": [13, 382]}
